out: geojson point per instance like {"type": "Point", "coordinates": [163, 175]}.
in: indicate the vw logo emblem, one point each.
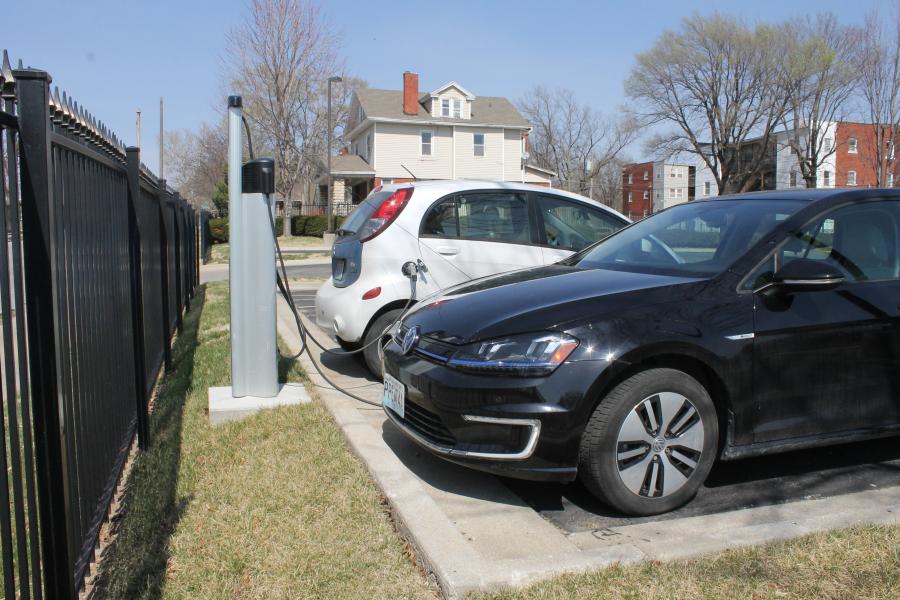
{"type": "Point", "coordinates": [410, 339]}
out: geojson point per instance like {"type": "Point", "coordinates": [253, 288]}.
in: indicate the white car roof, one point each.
{"type": "Point", "coordinates": [435, 189]}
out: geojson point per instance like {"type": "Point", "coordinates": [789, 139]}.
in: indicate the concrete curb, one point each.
{"type": "Point", "coordinates": [436, 542]}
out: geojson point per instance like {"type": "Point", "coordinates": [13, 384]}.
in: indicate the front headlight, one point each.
{"type": "Point", "coordinates": [528, 354]}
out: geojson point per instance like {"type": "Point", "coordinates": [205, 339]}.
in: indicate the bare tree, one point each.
{"type": "Point", "coordinates": [818, 79]}
{"type": "Point", "coordinates": [196, 160]}
{"type": "Point", "coordinates": [879, 68]}
{"type": "Point", "coordinates": [284, 54]}
{"type": "Point", "coordinates": [715, 82]}
{"type": "Point", "coordinates": [571, 139]}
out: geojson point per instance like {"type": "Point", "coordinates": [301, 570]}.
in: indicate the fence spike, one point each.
{"type": "Point", "coordinates": [7, 81]}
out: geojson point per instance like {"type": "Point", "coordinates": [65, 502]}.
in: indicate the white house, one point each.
{"type": "Point", "coordinates": [397, 136]}
{"type": "Point", "coordinates": [672, 184]}
{"type": "Point", "coordinates": [788, 174]}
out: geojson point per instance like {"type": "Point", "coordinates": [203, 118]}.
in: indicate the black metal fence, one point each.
{"type": "Point", "coordinates": [100, 262]}
{"type": "Point", "coordinates": [314, 209]}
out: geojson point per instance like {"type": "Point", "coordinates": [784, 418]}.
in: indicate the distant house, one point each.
{"type": "Point", "coordinates": [397, 136]}
{"type": "Point", "coordinates": [848, 159]}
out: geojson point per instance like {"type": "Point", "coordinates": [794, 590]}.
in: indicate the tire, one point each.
{"type": "Point", "coordinates": [641, 470]}
{"type": "Point", "coordinates": [347, 346]}
{"type": "Point", "coordinates": [373, 353]}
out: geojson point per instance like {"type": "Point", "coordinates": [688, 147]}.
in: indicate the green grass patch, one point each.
{"type": "Point", "coordinates": [862, 562]}
{"type": "Point", "coordinates": [218, 253]}
{"type": "Point", "coordinates": [274, 506]}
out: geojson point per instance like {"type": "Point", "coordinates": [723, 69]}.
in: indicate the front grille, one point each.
{"type": "Point", "coordinates": [427, 424]}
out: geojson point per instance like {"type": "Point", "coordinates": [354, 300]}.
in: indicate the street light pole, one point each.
{"type": "Point", "coordinates": [330, 209]}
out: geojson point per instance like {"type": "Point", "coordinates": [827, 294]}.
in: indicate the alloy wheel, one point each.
{"type": "Point", "coordinates": [659, 445]}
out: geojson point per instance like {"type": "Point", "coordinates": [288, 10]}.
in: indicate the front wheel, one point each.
{"type": "Point", "coordinates": [650, 443]}
{"type": "Point", "coordinates": [374, 352]}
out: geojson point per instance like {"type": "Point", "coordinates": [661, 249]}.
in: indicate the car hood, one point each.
{"type": "Point", "coordinates": [536, 299]}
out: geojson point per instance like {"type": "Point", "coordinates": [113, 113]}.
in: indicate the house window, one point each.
{"type": "Point", "coordinates": [827, 144]}
{"type": "Point", "coordinates": [890, 150]}
{"type": "Point", "coordinates": [672, 192]}
{"type": "Point", "coordinates": [630, 178]}
{"type": "Point", "coordinates": [387, 180]}
{"type": "Point", "coordinates": [707, 188]}
{"type": "Point", "coordinates": [629, 197]}
{"type": "Point", "coordinates": [445, 107]}
{"type": "Point", "coordinates": [851, 177]}
{"type": "Point", "coordinates": [457, 108]}
{"type": "Point", "coordinates": [369, 147]}
{"type": "Point", "coordinates": [890, 180]}
{"type": "Point", "coordinates": [426, 136]}
{"type": "Point", "coordinates": [646, 195]}
{"type": "Point", "coordinates": [852, 145]}
{"type": "Point", "coordinates": [793, 178]}
{"type": "Point", "coordinates": [359, 114]}
{"type": "Point", "coordinates": [479, 144]}
{"type": "Point", "coordinates": [827, 177]}
{"type": "Point", "coordinates": [646, 175]}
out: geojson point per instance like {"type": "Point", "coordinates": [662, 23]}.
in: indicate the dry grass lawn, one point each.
{"type": "Point", "coordinates": [271, 507]}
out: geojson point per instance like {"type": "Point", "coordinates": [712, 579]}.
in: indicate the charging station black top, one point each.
{"type": "Point", "coordinates": [258, 176]}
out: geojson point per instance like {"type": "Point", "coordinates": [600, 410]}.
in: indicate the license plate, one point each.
{"type": "Point", "coordinates": [394, 395]}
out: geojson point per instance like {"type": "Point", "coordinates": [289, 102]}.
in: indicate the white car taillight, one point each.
{"type": "Point", "coordinates": [385, 214]}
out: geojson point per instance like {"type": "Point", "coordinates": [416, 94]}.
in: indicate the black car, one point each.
{"type": "Point", "coordinates": [721, 328]}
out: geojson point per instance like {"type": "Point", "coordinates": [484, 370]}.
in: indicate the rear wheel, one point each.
{"type": "Point", "coordinates": [650, 443]}
{"type": "Point", "coordinates": [374, 353]}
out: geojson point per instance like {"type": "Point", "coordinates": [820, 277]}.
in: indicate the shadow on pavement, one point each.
{"type": "Point", "coordinates": [747, 483]}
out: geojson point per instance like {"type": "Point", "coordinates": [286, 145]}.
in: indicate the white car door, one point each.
{"type": "Point", "coordinates": [478, 233]}
{"type": "Point", "coordinates": [568, 226]}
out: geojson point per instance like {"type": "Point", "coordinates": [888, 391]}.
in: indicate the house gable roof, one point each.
{"type": "Point", "coordinates": [387, 105]}
{"type": "Point", "coordinates": [452, 84]}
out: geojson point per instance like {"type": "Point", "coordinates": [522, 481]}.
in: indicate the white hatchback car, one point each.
{"type": "Point", "coordinates": [454, 231]}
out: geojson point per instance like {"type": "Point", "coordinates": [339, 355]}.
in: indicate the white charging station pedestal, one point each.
{"type": "Point", "coordinates": [254, 354]}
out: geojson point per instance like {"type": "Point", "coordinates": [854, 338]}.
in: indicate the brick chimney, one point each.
{"type": "Point", "coordinates": [410, 93]}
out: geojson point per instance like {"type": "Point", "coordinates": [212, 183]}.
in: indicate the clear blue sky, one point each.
{"type": "Point", "coordinates": [115, 56]}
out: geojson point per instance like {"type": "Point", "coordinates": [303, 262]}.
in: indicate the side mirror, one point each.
{"type": "Point", "coordinates": [805, 275]}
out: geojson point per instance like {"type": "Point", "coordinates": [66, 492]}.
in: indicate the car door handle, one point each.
{"type": "Point", "coordinates": [447, 250]}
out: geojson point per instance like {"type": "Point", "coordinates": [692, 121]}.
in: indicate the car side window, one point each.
{"type": "Point", "coordinates": [494, 216]}
{"type": "Point", "coordinates": [571, 226]}
{"type": "Point", "coordinates": [442, 220]}
{"type": "Point", "coordinates": [861, 240]}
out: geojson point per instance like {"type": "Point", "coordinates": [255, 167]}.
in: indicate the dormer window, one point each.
{"type": "Point", "coordinates": [451, 107]}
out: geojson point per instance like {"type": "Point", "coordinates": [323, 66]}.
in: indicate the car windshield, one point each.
{"type": "Point", "coordinates": [695, 239]}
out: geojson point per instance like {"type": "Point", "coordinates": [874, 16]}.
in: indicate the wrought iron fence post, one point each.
{"type": "Point", "coordinates": [137, 294]}
{"type": "Point", "coordinates": [176, 237]}
{"type": "Point", "coordinates": [39, 228]}
{"type": "Point", "coordinates": [164, 268]}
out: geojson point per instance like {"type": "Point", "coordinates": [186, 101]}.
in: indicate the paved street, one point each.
{"type": "Point", "coordinates": [305, 269]}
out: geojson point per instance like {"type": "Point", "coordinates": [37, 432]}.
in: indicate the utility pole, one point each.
{"type": "Point", "coordinates": [162, 174]}
{"type": "Point", "coordinates": [137, 127]}
{"type": "Point", "coordinates": [331, 80]}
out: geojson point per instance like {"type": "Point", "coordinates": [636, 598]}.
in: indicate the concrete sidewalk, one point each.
{"type": "Point", "coordinates": [472, 533]}
{"type": "Point", "coordinates": [219, 272]}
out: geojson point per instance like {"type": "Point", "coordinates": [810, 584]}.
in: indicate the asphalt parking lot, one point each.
{"type": "Point", "coordinates": [748, 483]}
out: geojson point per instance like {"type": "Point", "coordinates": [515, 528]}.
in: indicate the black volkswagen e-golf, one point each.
{"type": "Point", "coordinates": [720, 328]}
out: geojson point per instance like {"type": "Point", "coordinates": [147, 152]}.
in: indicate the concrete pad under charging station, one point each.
{"type": "Point", "coordinates": [223, 407]}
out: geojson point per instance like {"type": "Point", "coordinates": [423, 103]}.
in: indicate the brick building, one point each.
{"type": "Point", "coordinates": [856, 156]}
{"type": "Point", "coordinates": [637, 190]}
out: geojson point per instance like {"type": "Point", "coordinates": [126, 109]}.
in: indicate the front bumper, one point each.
{"type": "Point", "coordinates": [523, 427]}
